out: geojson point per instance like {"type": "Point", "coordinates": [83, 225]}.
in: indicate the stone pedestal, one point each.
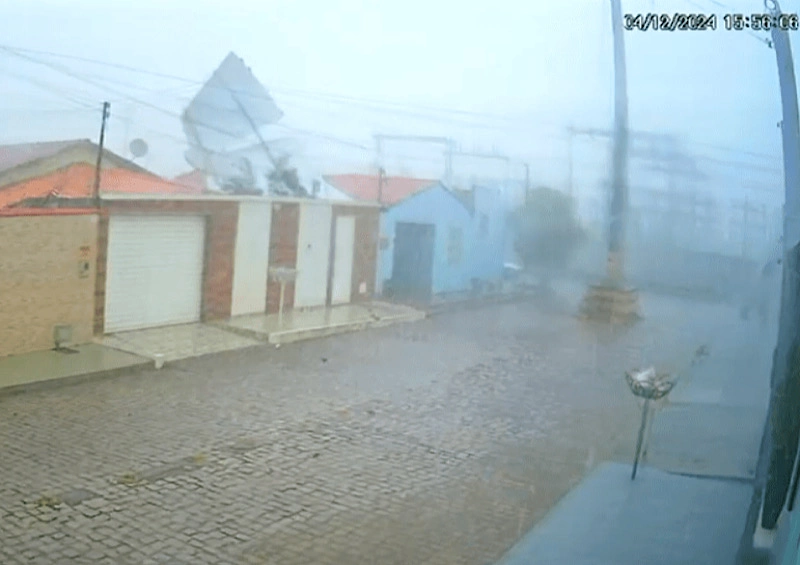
{"type": "Point", "coordinates": [611, 304]}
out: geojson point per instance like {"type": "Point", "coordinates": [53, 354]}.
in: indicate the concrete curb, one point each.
{"type": "Point", "coordinates": [291, 336]}
{"type": "Point", "coordinates": [71, 380]}
{"type": "Point", "coordinates": [477, 303]}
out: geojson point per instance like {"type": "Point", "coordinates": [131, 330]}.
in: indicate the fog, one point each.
{"type": "Point", "coordinates": [449, 436]}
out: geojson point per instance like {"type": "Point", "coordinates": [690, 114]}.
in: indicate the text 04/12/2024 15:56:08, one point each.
{"type": "Point", "coordinates": [700, 22]}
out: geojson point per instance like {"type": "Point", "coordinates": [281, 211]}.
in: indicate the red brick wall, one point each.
{"type": "Point", "coordinates": [365, 256]}
{"type": "Point", "coordinates": [283, 241]}
{"type": "Point", "coordinates": [100, 274]}
{"type": "Point", "coordinates": [222, 220]}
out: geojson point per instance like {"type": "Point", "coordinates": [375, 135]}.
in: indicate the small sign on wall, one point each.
{"type": "Point", "coordinates": [362, 288]}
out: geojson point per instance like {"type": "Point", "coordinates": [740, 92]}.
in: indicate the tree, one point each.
{"type": "Point", "coordinates": [547, 232]}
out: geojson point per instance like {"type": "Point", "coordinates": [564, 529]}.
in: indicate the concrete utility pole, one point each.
{"type": "Point", "coordinates": [527, 184]}
{"type": "Point", "coordinates": [96, 190]}
{"type": "Point", "coordinates": [780, 443]}
{"type": "Point", "coordinates": [570, 140]}
{"type": "Point", "coordinates": [489, 156]}
{"type": "Point", "coordinates": [612, 301]}
{"type": "Point", "coordinates": [446, 141]}
{"type": "Point", "coordinates": [381, 177]}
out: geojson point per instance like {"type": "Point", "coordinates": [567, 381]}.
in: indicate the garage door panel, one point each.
{"type": "Point", "coordinates": [155, 270]}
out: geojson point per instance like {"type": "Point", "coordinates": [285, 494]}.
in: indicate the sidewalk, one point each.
{"type": "Point", "coordinates": [300, 325]}
{"type": "Point", "coordinates": [140, 349]}
{"type": "Point", "coordinates": [19, 373]}
{"type": "Point", "coordinates": [691, 496]}
{"type": "Point", "coordinates": [657, 519]}
{"type": "Point", "coordinates": [466, 300]}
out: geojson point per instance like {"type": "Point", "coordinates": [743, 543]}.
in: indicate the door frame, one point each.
{"type": "Point", "coordinates": [332, 253]}
{"type": "Point", "coordinates": [428, 291]}
{"type": "Point", "coordinates": [332, 257]}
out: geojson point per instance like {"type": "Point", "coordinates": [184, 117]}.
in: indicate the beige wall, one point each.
{"type": "Point", "coordinates": [40, 280]}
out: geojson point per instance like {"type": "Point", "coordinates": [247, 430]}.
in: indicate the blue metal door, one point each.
{"type": "Point", "coordinates": [412, 261]}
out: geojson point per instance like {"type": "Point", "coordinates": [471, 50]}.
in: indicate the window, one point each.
{"type": "Point", "coordinates": [455, 246]}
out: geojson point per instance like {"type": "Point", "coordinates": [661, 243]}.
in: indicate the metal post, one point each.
{"type": "Point", "coordinates": [619, 186]}
{"type": "Point", "coordinates": [640, 439]}
{"type": "Point", "coordinates": [780, 437]}
{"type": "Point", "coordinates": [280, 304]}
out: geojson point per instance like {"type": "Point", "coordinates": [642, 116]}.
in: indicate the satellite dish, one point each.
{"type": "Point", "coordinates": [138, 148]}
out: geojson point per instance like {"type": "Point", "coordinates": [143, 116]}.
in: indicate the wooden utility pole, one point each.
{"type": "Point", "coordinates": [96, 190]}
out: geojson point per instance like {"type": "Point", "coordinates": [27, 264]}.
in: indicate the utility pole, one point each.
{"type": "Point", "coordinates": [96, 190]}
{"type": "Point", "coordinates": [570, 140]}
{"type": "Point", "coordinates": [745, 227]}
{"type": "Point", "coordinates": [446, 141]}
{"type": "Point", "coordinates": [779, 444]}
{"type": "Point", "coordinates": [527, 184]}
{"type": "Point", "coordinates": [612, 301]}
{"type": "Point", "coordinates": [381, 177]}
{"type": "Point", "coordinates": [619, 195]}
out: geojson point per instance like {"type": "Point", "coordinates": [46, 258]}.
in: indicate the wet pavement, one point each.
{"type": "Point", "coordinates": [441, 441]}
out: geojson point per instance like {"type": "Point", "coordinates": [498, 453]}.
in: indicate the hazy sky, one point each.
{"type": "Point", "coordinates": [518, 71]}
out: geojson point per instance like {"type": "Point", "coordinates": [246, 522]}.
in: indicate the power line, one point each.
{"type": "Point", "coordinates": [126, 96]}
{"type": "Point", "coordinates": [80, 101]}
{"type": "Point", "coordinates": [338, 99]}
{"type": "Point", "coordinates": [370, 104]}
{"type": "Point", "coordinates": [296, 92]}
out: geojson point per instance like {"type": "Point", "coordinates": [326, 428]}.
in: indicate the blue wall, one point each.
{"type": "Point", "coordinates": [482, 256]}
{"type": "Point", "coordinates": [489, 249]}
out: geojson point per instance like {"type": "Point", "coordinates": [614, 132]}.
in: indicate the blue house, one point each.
{"type": "Point", "coordinates": [489, 237]}
{"type": "Point", "coordinates": [434, 241]}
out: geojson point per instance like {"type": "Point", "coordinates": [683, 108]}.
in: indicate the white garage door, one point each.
{"type": "Point", "coordinates": [154, 271]}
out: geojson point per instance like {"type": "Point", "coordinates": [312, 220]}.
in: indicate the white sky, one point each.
{"type": "Point", "coordinates": [523, 70]}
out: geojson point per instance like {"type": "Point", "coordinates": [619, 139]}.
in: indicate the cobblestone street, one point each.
{"type": "Point", "coordinates": [438, 442]}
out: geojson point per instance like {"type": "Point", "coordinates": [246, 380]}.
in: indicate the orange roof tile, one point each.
{"type": "Point", "coordinates": [14, 212]}
{"type": "Point", "coordinates": [194, 180]}
{"type": "Point", "coordinates": [77, 181]}
{"type": "Point", "coordinates": [365, 187]}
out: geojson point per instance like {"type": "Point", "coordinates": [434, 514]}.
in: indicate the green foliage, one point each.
{"type": "Point", "coordinates": [547, 229]}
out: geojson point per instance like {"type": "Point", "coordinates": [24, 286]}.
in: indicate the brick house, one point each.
{"type": "Point", "coordinates": [47, 276]}
{"type": "Point", "coordinates": [165, 259]}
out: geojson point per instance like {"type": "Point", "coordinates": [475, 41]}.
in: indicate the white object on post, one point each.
{"type": "Point", "coordinates": [282, 275]}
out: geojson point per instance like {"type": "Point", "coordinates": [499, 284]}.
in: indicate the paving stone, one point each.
{"type": "Point", "coordinates": [503, 390]}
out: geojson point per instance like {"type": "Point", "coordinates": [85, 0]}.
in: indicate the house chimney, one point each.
{"type": "Point", "coordinates": [315, 188]}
